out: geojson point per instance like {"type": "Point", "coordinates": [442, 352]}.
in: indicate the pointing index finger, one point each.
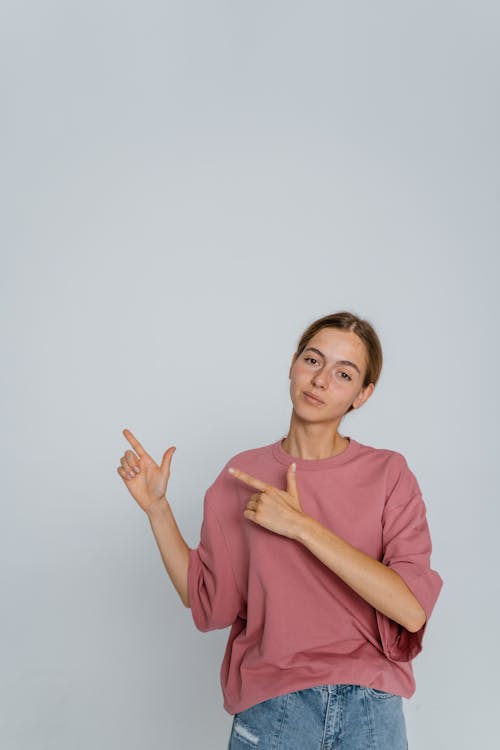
{"type": "Point", "coordinates": [134, 443]}
{"type": "Point", "coordinates": [248, 479]}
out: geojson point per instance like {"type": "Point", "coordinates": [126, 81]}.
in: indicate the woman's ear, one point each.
{"type": "Point", "coordinates": [363, 396]}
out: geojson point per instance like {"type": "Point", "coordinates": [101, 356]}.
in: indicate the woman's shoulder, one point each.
{"type": "Point", "coordinates": [250, 456]}
{"type": "Point", "coordinates": [380, 453]}
{"type": "Point", "coordinates": [394, 464]}
{"type": "Point", "coordinates": [249, 460]}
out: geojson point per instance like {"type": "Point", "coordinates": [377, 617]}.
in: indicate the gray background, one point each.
{"type": "Point", "coordinates": [185, 187]}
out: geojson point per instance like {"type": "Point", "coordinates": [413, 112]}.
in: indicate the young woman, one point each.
{"type": "Point", "coordinates": [315, 550]}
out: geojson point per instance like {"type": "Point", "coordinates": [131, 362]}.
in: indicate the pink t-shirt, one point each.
{"type": "Point", "coordinates": [294, 623]}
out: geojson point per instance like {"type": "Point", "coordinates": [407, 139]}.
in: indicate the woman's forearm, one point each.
{"type": "Point", "coordinates": [375, 582]}
{"type": "Point", "coordinates": [172, 546]}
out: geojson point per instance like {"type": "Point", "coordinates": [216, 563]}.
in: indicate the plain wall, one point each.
{"type": "Point", "coordinates": [185, 187]}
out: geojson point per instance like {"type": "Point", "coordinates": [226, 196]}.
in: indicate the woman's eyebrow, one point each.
{"type": "Point", "coordinates": [338, 362]}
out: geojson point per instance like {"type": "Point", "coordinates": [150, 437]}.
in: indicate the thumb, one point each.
{"type": "Point", "coordinates": [291, 480]}
{"type": "Point", "coordinates": [166, 460]}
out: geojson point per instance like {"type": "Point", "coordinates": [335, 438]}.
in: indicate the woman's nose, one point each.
{"type": "Point", "coordinates": [320, 379]}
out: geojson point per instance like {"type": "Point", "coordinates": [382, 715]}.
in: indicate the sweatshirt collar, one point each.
{"type": "Point", "coordinates": [318, 464]}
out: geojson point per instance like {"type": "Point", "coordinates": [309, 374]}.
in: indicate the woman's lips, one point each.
{"type": "Point", "coordinates": [312, 399]}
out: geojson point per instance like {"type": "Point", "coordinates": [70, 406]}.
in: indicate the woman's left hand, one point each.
{"type": "Point", "coordinates": [277, 510]}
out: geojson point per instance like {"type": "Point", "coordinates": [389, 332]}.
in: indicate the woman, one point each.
{"type": "Point", "coordinates": [315, 549]}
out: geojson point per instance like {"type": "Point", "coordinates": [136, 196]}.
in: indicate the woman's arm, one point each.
{"type": "Point", "coordinates": [382, 587]}
{"type": "Point", "coordinates": [172, 546]}
{"type": "Point", "coordinates": [147, 483]}
{"type": "Point", "coordinates": [375, 582]}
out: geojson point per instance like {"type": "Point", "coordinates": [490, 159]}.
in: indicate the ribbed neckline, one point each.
{"type": "Point", "coordinates": [318, 464]}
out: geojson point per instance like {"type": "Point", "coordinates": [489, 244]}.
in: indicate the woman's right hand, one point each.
{"type": "Point", "coordinates": [144, 479]}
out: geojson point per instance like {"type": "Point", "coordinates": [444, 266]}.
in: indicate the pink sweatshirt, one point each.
{"type": "Point", "coordinates": [294, 623]}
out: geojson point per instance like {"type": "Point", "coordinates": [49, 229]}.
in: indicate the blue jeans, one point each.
{"type": "Point", "coordinates": [326, 717]}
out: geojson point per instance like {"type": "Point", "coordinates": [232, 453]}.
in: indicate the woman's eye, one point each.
{"type": "Point", "coordinates": [312, 359]}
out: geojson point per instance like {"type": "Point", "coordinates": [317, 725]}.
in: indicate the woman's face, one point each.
{"type": "Point", "coordinates": [332, 368]}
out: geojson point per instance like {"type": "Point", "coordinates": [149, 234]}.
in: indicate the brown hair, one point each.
{"type": "Point", "coordinates": [348, 321]}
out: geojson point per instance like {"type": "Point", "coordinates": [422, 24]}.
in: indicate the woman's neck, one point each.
{"type": "Point", "coordinates": [313, 450]}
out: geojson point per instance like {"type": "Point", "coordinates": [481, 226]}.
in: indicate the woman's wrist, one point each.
{"type": "Point", "coordinates": [158, 507]}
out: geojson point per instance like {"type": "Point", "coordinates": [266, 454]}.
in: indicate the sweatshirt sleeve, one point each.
{"type": "Point", "coordinates": [407, 549]}
{"type": "Point", "coordinates": [214, 598]}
